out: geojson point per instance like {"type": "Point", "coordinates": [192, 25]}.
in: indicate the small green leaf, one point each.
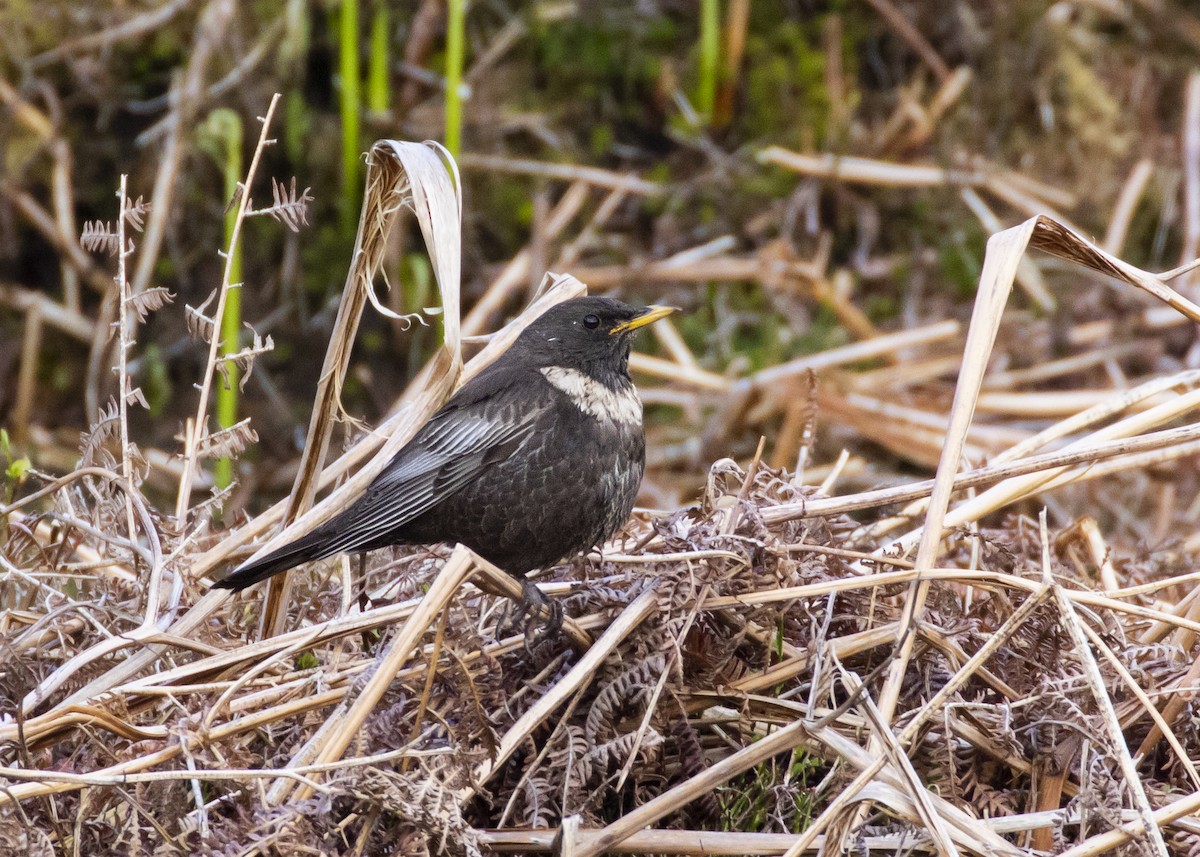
{"type": "Point", "coordinates": [18, 469]}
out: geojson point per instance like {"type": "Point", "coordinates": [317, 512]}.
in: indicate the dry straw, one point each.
{"type": "Point", "coordinates": [761, 626]}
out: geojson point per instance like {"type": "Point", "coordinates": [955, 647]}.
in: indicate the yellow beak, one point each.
{"type": "Point", "coordinates": [651, 315]}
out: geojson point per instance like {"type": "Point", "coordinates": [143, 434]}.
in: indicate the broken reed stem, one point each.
{"type": "Point", "coordinates": [828, 506]}
{"type": "Point", "coordinates": [995, 283]}
{"type": "Point", "coordinates": [1071, 623]}
{"type": "Point", "coordinates": [31, 349]}
{"type": "Point", "coordinates": [632, 616]}
{"type": "Point", "coordinates": [196, 430]}
{"type": "Point", "coordinates": [125, 342]}
{"type": "Point", "coordinates": [452, 575]}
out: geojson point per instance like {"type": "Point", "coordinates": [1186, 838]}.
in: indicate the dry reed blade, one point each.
{"type": "Point", "coordinates": [339, 730]}
{"type": "Point", "coordinates": [1073, 625]}
{"type": "Point", "coordinates": [629, 618]}
{"type": "Point", "coordinates": [424, 178]}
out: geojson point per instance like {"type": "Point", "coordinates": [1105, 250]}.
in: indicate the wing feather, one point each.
{"type": "Point", "coordinates": [450, 451]}
{"type": "Point", "coordinates": [471, 433]}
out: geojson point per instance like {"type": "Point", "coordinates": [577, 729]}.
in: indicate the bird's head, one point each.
{"type": "Point", "coordinates": [591, 334]}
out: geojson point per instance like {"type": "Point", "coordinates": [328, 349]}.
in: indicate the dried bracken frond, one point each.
{"type": "Point", "coordinates": [99, 236]}
{"type": "Point", "coordinates": [288, 206]}
{"type": "Point", "coordinates": [135, 211]}
{"type": "Point", "coordinates": [149, 301]}
{"type": "Point", "coordinates": [107, 424]}
{"type": "Point", "coordinates": [18, 836]}
{"type": "Point", "coordinates": [245, 358]}
{"type": "Point", "coordinates": [425, 808]}
{"type": "Point", "coordinates": [227, 443]}
{"type": "Point", "coordinates": [201, 327]}
{"type": "Point", "coordinates": [627, 690]}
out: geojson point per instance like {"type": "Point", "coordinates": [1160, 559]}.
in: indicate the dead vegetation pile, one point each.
{"type": "Point", "coordinates": [779, 662]}
{"type": "Point", "coordinates": [759, 665]}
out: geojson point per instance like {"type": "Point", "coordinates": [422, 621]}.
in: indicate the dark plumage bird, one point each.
{"type": "Point", "coordinates": [537, 458]}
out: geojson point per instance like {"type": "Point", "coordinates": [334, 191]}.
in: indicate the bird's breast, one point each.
{"type": "Point", "coordinates": [619, 405]}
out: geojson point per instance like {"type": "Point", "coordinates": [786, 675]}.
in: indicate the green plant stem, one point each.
{"type": "Point", "coordinates": [455, 48]}
{"type": "Point", "coordinates": [231, 322]}
{"type": "Point", "coordinates": [377, 62]}
{"type": "Point", "coordinates": [710, 50]}
{"type": "Point", "coordinates": [351, 99]}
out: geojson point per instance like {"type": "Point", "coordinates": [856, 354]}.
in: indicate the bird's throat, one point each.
{"type": "Point", "coordinates": [616, 403]}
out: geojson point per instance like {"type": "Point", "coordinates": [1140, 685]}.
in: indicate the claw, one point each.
{"type": "Point", "coordinates": [534, 605]}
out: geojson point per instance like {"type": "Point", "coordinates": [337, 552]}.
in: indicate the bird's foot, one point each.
{"type": "Point", "coordinates": [534, 605]}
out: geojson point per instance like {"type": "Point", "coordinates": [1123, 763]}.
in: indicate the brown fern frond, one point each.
{"type": "Point", "coordinates": [628, 689]}
{"type": "Point", "coordinates": [289, 206]}
{"type": "Point", "coordinates": [100, 236]}
{"type": "Point", "coordinates": [245, 358]}
{"type": "Point", "coordinates": [135, 210]}
{"type": "Point", "coordinates": [108, 421]}
{"type": "Point", "coordinates": [227, 443]}
{"type": "Point", "coordinates": [149, 301]}
{"type": "Point", "coordinates": [692, 762]}
{"type": "Point", "coordinates": [200, 326]}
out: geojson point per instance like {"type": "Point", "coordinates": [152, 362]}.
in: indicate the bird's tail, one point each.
{"type": "Point", "coordinates": [315, 545]}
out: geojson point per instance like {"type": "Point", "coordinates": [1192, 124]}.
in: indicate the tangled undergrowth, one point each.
{"type": "Point", "coordinates": [773, 662]}
{"type": "Point", "coordinates": [749, 627]}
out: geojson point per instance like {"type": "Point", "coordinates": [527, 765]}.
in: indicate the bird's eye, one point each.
{"type": "Point", "coordinates": [591, 322]}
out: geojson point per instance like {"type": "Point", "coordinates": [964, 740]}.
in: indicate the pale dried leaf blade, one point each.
{"type": "Point", "coordinates": [388, 183]}
{"type": "Point", "coordinates": [227, 443]}
{"type": "Point", "coordinates": [436, 200]}
{"type": "Point", "coordinates": [149, 301]}
{"type": "Point", "coordinates": [99, 236]}
{"type": "Point", "coordinates": [1053, 237]}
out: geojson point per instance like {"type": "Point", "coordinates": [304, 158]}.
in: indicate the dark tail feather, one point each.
{"type": "Point", "coordinates": [307, 548]}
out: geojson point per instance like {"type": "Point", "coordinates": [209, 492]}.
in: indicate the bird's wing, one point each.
{"type": "Point", "coordinates": [458, 444]}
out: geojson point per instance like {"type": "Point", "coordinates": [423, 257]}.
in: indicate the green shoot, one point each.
{"type": "Point", "coordinates": [377, 62]}
{"type": "Point", "coordinates": [15, 472]}
{"type": "Point", "coordinates": [455, 48]}
{"type": "Point", "coordinates": [710, 50]}
{"type": "Point", "coordinates": [221, 137]}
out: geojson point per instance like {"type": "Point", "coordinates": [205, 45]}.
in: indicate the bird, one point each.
{"type": "Point", "coordinates": [536, 459]}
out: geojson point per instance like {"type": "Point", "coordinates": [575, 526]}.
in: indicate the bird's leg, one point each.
{"type": "Point", "coordinates": [535, 605]}
{"type": "Point", "coordinates": [534, 601]}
